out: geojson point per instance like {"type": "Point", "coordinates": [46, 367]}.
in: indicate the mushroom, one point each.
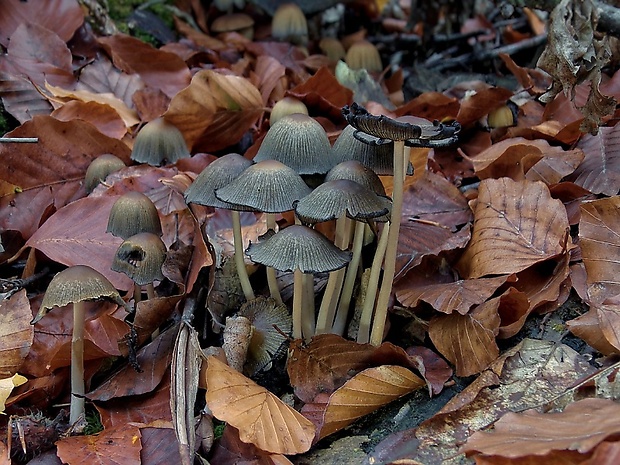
{"type": "Point", "coordinates": [140, 257]}
{"type": "Point", "coordinates": [202, 192]}
{"type": "Point", "coordinates": [267, 186]}
{"type": "Point", "coordinates": [332, 48]}
{"type": "Point", "coordinates": [378, 130]}
{"type": "Point", "coordinates": [99, 169]}
{"type": "Point", "coordinates": [364, 55]}
{"type": "Point", "coordinates": [302, 250]}
{"type": "Point", "coordinates": [159, 142]}
{"type": "Point", "coordinates": [133, 213]}
{"type": "Point", "coordinates": [76, 285]}
{"type": "Point", "coordinates": [286, 106]}
{"type": "Point", "coordinates": [289, 24]}
{"type": "Point", "coordinates": [234, 22]}
{"type": "Point", "coordinates": [340, 199]}
{"type": "Point", "coordinates": [300, 142]}
{"type": "Point", "coordinates": [228, 5]}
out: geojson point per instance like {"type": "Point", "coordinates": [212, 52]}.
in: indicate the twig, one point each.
{"type": "Point", "coordinates": [19, 140]}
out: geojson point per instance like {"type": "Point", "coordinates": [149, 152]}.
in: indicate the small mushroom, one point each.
{"type": "Point", "coordinates": [289, 24]}
{"type": "Point", "coordinates": [228, 5]}
{"type": "Point", "coordinates": [76, 285]}
{"type": "Point", "coordinates": [133, 213]}
{"type": "Point", "coordinates": [159, 142]}
{"type": "Point", "coordinates": [99, 169]}
{"type": "Point", "coordinates": [332, 48]}
{"type": "Point", "coordinates": [300, 142]}
{"type": "Point", "coordinates": [234, 22]}
{"type": "Point", "coordinates": [286, 106]}
{"type": "Point", "coordinates": [364, 55]}
{"type": "Point", "coordinates": [302, 250]}
{"type": "Point", "coordinates": [141, 257]}
{"type": "Point", "coordinates": [267, 186]}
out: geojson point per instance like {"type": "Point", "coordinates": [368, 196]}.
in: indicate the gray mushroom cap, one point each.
{"type": "Point", "coordinates": [354, 170]}
{"type": "Point", "coordinates": [133, 213]}
{"type": "Point", "coordinates": [300, 142]}
{"type": "Point", "coordinates": [298, 248]}
{"type": "Point", "coordinates": [335, 198]}
{"type": "Point", "coordinates": [217, 174]}
{"type": "Point", "coordinates": [77, 284]}
{"type": "Point", "coordinates": [268, 186]}
{"type": "Point", "coordinates": [157, 142]}
{"type": "Point", "coordinates": [141, 257]}
{"type": "Point", "coordinates": [99, 169]}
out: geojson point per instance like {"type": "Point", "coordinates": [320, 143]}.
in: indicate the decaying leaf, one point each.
{"type": "Point", "coordinates": [261, 418]}
{"type": "Point", "coordinates": [16, 332]}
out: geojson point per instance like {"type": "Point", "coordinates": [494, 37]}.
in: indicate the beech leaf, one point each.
{"type": "Point", "coordinates": [261, 418]}
{"type": "Point", "coordinates": [16, 332]}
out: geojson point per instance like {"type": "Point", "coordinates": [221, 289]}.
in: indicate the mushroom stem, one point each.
{"type": "Point", "coordinates": [307, 317]}
{"type": "Point", "coordinates": [349, 280]}
{"type": "Point", "coordinates": [297, 302]}
{"type": "Point", "coordinates": [363, 332]}
{"type": "Point", "coordinates": [389, 264]}
{"type": "Point", "coordinates": [137, 293]}
{"type": "Point", "coordinates": [239, 260]}
{"type": "Point", "coordinates": [150, 291]}
{"type": "Point", "coordinates": [77, 363]}
{"type": "Point", "coordinates": [272, 281]}
{"type": "Point", "coordinates": [327, 309]}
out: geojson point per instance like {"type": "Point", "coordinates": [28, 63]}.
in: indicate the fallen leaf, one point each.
{"type": "Point", "coordinates": [102, 116]}
{"type": "Point", "coordinates": [6, 387]}
{"type": "Point", "coordinates": [16, 332]}
{"type": "Point", "coordinates": [261, 418]}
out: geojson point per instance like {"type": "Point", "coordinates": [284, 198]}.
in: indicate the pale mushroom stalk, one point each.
{"type": "Point", "coordinates": [298, 320]}
{"type": "Point", "coordinates": [77, 405]}
{"type": "Point", "coordinates": [309, 327]}
{"type": "Point", "coordinates": [239, 254]}
{"type": "Point", "coordinates": [272, 280]}
{"type": "Point", "coordinates": [389, 264]}
{"type": "Point", "coordinates": [137, 293]}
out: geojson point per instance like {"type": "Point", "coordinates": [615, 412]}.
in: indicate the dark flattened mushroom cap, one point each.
{"type": "Point", "coordinates": [99, 169]}
{"type": "Point", "coordinates": [332, 199]}
{"type": "Point", "coordinates": [133, 213]}
{"type": "Point", "coordinates": [140, 257]}
{"type": "Point", "coordinates": [353, 170]}
{"type": "Point", "coordinates": [77, 284]}
{"type": "Point", "coordinates": [268, 186]}
{"type": "Point", "coordinates": [377, 157]}
{"type": "Point", "coordinates": [159, 142]}
{"type": "Point", "coordinates": [265, 314]}
{"type": "Point", "coordinates": [217, 174]}
{"type": "Point", "coordinates": [300, 142]}
{"type": "Point", "coordinates": [298, 247]}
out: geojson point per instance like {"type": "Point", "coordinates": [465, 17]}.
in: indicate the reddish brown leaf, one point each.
{"type": "Point", "coordinates": [110, 447]}
{"type": "Point", "coordinates": [287, 54]}
{"type": "Point", "coordinates": [268, 72]}
{"type": "Point", "coordinates": [430, 105]}
{"type": "Point", "coordinates": [159, 446]}
{"type": "Point", "coordinates": [323, 93]}
{"type": "Point", "coordinates": [513, 309]}
{"type": "Point", "coordinates": [581, 426]}
{"type": "Point", "coordinates": [481, 103]}
{"type": "Point", "coordinates": [588, 328]}
{"type": "Point", "coordinates": [102, 116]}
{"type": "Point", "coordinates": [161, 70]}
{"type": "Point", "coordinates": [16, 333]}
{"type": "Point", "coordinates": [85, 241]}
{"type": "Point", "coordinates": [21, 99]}
{"type": "Point", "coordinates": [508, 236]}
{"type": "Point", "coordinates": [60, 16]}
{"type": "Point", "coordinates": [261, 418]}
{"type": "Point", "coordinates": [468, 341]}
{"type": "Point", "coordinates": [598, 237]}
{"type": "Point", "coordinates": [230, 449]}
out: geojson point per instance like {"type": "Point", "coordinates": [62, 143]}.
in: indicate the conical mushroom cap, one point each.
{"type": "Point", "coordinates": [333, 199]}
{"type": "Point", "coordinates": [353, 170]}
{"type": "Point", "coordinates": [268, 186]}
{"type": "Point", "coordinates": [298, 248]}
{"type": "Point", "coordinates": [132, 214]}
{"type": "Point", "coordinates": [217, 174]}
{"type": "Point", "coordinates": [289, 24]}
{"type": "Point", "coordinates": [379, 158]}
{"type": "Point", "coordinates": [77, 284]}
{"type": "Point", "coordinates": [99, 169]}
{"type": "Point", "coordinates": [140, 257]}
{"type": "Point", "coordinates": [157, 142]}
{"type": "Point", "coordinates": [300, 142]}
{"type": "Point", "coordinates": [286, 106]}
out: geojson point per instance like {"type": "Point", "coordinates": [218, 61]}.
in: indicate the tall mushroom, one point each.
{"type": "Point", "coordinates": [159, 142]}
{"type": "Point", "coordinates": [76, 285]}
{"type": "Point", "coordinates": [299, 249]}
{"type": "Point", "coordinates": [381, 129]}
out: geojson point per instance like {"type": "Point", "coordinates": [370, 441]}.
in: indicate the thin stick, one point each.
{"type": "Point", "coordinates": [272, 280]}
{"type": "Point", "coordinates": [77, 363]}
{"type": "Point", "coordinates": [239, 254]}
{"type": "Point", "coordinates": [19, 140]}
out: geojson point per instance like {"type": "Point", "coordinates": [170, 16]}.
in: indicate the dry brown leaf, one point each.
{"type": "Point", "coordinates": [103, 117]}
{"type": "Point", "coordinates": [268, 72]}
{"type": "Point", "coordinates": [430, 105]}
{"type": "Point", "coordinates": [599, 241]}
{"type": "Point", "coordinates": [230, 449]}
{"type": "Point", "coordinates": [16, 332]}
{"type": "Point", "coordinates": [581, 426]}
{"type": "Point", "coordinates": [481, 103]}
{"type": "Point", "coordinates": [588, 328]}
{"type": "Point", "coordinates": [21, 98]}
{"type": "Point", "coordinates": [366, 392]}
{"type": "Point", "coordinates": [323, 93]}
{"type": "Point", "coordinates": [468, 341]}
{"type": "Point", "coordinates": [261, 418]}
{"type": "Point", "coordinates": [517, 224]}
{"type": "Point", "coordinates": [215, 110]}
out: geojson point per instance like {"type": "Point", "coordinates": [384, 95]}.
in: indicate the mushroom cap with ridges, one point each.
{"type": "Point", "coordinates": [364, 55]}
{"type": "Point", "coordinates": [300, 142]}
{"type": "Point", "coordinates": [99, 169]}
{"type": "Point", "coordinates": [140, 257]}
{"type": "Point", "coordinates": [332, 199]}
{"type": "Point", "coordinates": [379, 158]}
{"type": "Point", "coordinates": [133, 213]}
{"type": "Point", "coordinates": [290, 24]}
{"type": "Point", "coordinates": [301, 248]}
{"type": "Point", "coordinates": [77, 284]}
{"type": "Point", "coordinates": [268, 186]}
{"type": "Point", "coordinates": [353, 170]}
{"type": "Point", "coordinates": [157, 142]}
{"type": "Point", "coordinates": [217, 174]}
